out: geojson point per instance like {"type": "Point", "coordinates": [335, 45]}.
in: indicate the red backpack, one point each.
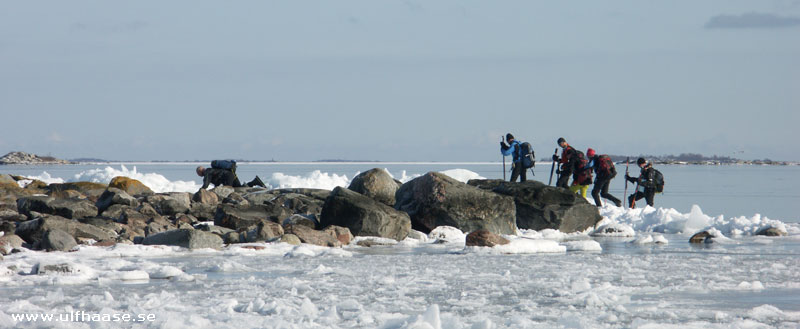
{"type": "Point", "coordinates": [605, 166]}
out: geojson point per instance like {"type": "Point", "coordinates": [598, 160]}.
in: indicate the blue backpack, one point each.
{"type": "Point", "coordinates": [526, 155]}
{"type": "Point", "coordinates": [224, 164]}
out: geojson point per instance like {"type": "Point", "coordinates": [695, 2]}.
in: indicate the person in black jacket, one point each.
{"type": "Point", "coordinates": [220, 177]}
{"type": "Point", "coordinates": [646, 186]}
{"type": "Point", "coordinates": [605, 170]}
{"type": "Point", "coordinates": [517, 170]}
{"type": "Point", "coordinates": [567, 162]}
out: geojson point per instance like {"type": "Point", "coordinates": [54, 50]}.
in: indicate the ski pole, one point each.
{"type": "Point", "coordinates": [504, 161]}
{"type": "Point", "coordinates": [627, 161]}
{"type": "Point", "coordinates": [552, 168]}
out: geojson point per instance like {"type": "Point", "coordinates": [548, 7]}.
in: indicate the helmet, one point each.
{"type": "Point", "coordinates": [590, 153]}
{"type": "Point", "coordinates": [561, 140]}
{"type": "Point", "coordinates": [641, 161]}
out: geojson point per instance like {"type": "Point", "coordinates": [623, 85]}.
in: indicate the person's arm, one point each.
{"type": "Point", "coordinates": [508, 150]}
{"type": "Point", "coordinates": [206, 181]}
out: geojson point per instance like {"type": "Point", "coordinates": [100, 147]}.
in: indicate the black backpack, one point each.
{"type": "Point", "coordinates": [224, 164]}
{"type": "Point", "coordinates": [658, 180]}
{"type": "Point", "coordinates": [526, 155]}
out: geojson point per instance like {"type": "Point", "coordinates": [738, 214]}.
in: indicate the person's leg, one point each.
{"type": "Point", "coordinates": [596, 193]}
{"type": "Point", "coordinates": [649, 195]}
{"type": "Point", "coordinates": [607, 195]}
{"type": "Point", "coordinates": [584, 188]}
{"type": "Point", "coordinates": [635, 197]}
{"type": "Point", "coordinates": [514, 172]}
{"type": "Point", "coordinates": [523, 175]}
{"type": "Point", "coordinates": [563, 180]}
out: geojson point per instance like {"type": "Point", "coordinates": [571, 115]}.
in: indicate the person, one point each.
{"type": "Point", "coordinates": [605, 172]}
{"type": "Point", "coordinates": [566, 162]}
{"type": "Point", "coordinates": [226, 177]}
{"type": "Point", "coordinates": [581, 174]}
{"type": "Point", "coordinates": [646, 186]}
{"type": "Point", "coordinates": [517, 170]}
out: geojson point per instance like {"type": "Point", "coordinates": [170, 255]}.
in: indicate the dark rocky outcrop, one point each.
{"type": "Point", "coordinates": [33, 230]}
{"type": "Point", "coordinates": [435, 199]}
{"type": "Point", "coordinates": [187, 238]}
{"type": "Point", "coordinates": [89, 189]}
{"type": "Point", "coordinates": [242, 217]}
{"type": "Point", "coordinates": [364, 216]}
{"type": "Point", "coordinates": [701, 237]}
{"type": "Point", "coordinates": [377, 184]}
{"type": "Point", "coordinates": [206, 197]}
{"type": "Point", "coordinates": [300, 220]}
{"type": "Point", "coordinates": [539, 206]}
{"type": "Point", "coordinates": [68, 208]}
{"type": "Point", "coordinates": [484, 238]}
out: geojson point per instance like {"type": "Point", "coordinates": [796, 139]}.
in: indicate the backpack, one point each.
{"type": "Point", "coordinates": [605, 166]}
{"type": "Point", "coordinates": [581, 175]}
{"type": "Point", "coordinates": [224, 164]}
{"type": "Point", "coordinates": [658, 180]}
{"type": "Point", "coordinates": [526, 155]}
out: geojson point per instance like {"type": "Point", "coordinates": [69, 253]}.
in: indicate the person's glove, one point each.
{"type": "Point", "coordinates": [503, 146]}
{"type": "Point", "coordinates": [555, 157]}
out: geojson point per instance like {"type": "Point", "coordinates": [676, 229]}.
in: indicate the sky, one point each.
{"type": "Point", "coordinates": [398, 80]}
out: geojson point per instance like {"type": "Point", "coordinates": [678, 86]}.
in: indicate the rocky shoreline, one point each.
{"type": "Point", "coordinates": [22, 158]}
{"type": "Point", "coordinates": [58, 217]}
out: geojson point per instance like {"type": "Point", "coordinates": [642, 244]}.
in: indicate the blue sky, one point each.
{"type": "Point", "coordinates": [398, 80]}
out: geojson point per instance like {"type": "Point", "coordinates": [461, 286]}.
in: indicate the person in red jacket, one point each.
{"type": "Point", "coordinates": [605, 172]}
{"type": "Point", "coordinates": [566, 162]}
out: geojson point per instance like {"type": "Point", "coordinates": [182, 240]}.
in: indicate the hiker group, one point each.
{"type": "Point", "coordinates": [573, 163]}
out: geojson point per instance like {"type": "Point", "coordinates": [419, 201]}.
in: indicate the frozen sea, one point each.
{"type": "Point", "coordinates": [649, 277]}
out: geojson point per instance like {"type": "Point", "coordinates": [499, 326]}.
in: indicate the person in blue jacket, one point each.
{"type": "Point", "coordinates": [517, 170]}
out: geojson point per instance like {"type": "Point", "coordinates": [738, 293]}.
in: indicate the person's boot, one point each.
{"type": "Point", "coordinates": [257, 182]}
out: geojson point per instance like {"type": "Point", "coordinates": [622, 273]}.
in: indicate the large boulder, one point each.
{"type": "Point", "coordinates": [10, 242]}
{"type": "Point", "coordinates": [243, 217]}
{"type": "Point", "coordinates": [435, 199]}
{"type": "Point", "coordinates": [175, 203]}
{"type": "Point", "coordinates": [377, 184]}
{"type": "Point", "coordinates": [58, 240]}
{"type": "Point", "coordinates": [539, 206]}
{"type": "Point", "coordinates": [130, 185]}
{"type": "Point", "coordinates": [312, 236]}
{"type": "Point", "coordinates": [264, 231]}
{"type": "Point", "coordinates": [114, 196]}
{"type": "Point", "coordinates": [69, 208]}
{"type": "Point", "coordinates": [90, 189]}
{"type": "Point", "coordinates": [33, 230]}
{"type": "Point", "coordinates": [364, 216]}
{"type": "Point", "coordinates": [187, 238]}
{"type": "Point", "coordinates": [205, 197]}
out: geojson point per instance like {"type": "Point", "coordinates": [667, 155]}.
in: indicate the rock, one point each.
{"type": "Point", "coordinates": [203, 212]}
{"type": "Point", "coordinates": [231, 237]}
{"type": "Point", "coordinates": [435, 199]}
{"type": "Point", "coordinates": [28, 159]}
{"type": "Point", "coordinates": [243, 217]}
{"type": "Point", "coordinates": [205, 197]}
{"type": "Point", "coordinates": [364, 216]}
{"type": "Point", "coordinates": [484, 238]}
{"type": "Point", "coordinates": [236, 199]}
{"type": "Point", "coordinates": [376, 184]}
{"type": "Point", "coordinates": [147, 209]}
{"type": "Point", "coordinates": [771, 231]}
{"type": "Point", "coordinates": [311, 236]}
{"type": "Point", "coordinates": [222, 191]}
{"type": "Point", "coordinates": [339, 233]}
{"type": "Point", "coordinates": [175, 203]}
{"type": "Point", "coordinates": [115, 196]}
{"type": "Point", "coordinates": [11, 216]}
{"type": "Point", "coordinates": [291, 239]}
{"type": "Point", "coordinates": [55, 269]}
{"type": "Point", "coordinates": [8, 227]}
{"type": "Point", "coordinates": [130, 186]}
{"type": "Point", "coordinates": [158, 226]}
{"type": "Point", "coordinates": [300, 220]}
{"type": "Point", "coordinates": [58, 240]}
{"type": "Point", "coordinates": [10, 242]}
{"type": "Point", "coordinates": [34, 230]}
{"type": "Point", "coordinates": [185, 219]}
{"type": "Point", "coordinates": [701, 237]}
{"type": "Point", "coordinates": [103, 223]}
{"type": "Point", "coordinates": [114, 212]}
{"type": "Point", "coordinates": [89, 189]}
{"type": "Point", "coordinates": [539, 206]}
{"type": "Point", "coordinates": [264, 231]}
{"type": "Point", "coordinates": [187, 238]}
{"type": "Point", "coordinates": [69, 208]}
{"type": "Point", "coordinates": [7, 179]}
